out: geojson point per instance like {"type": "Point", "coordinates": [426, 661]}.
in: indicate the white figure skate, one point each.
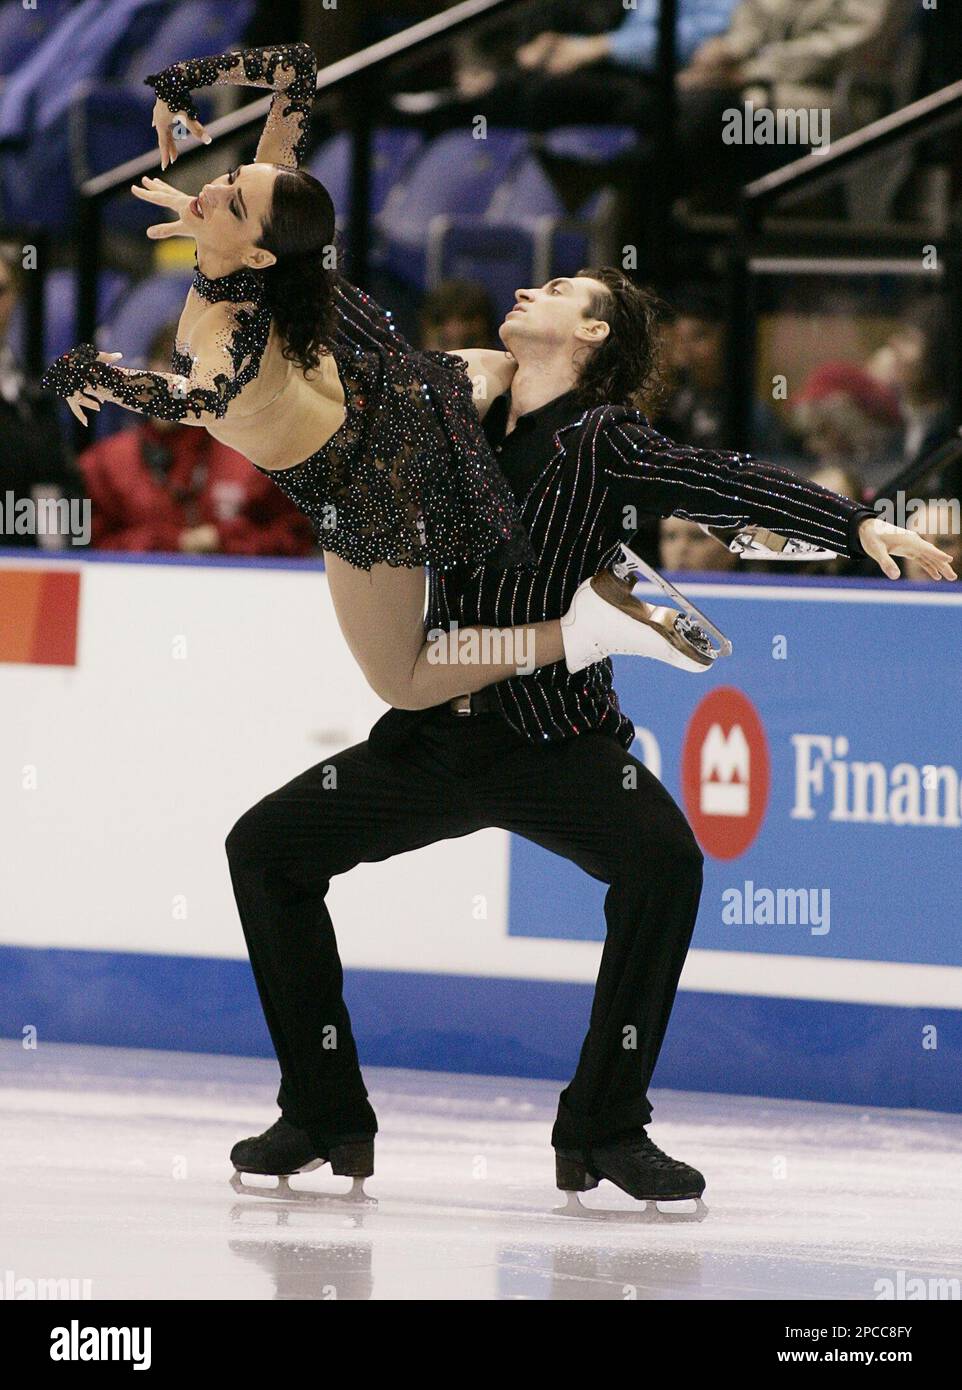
{"type": "Point", "coordinates": [605, 619]}
{"type": "Point", "coordinates": [758, 543]}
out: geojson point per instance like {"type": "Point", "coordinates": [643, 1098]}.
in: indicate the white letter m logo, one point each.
{"type": "Point", "coordinates": [726, 760]}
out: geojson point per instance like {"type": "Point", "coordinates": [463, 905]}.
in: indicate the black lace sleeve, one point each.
{"type": "Point", "coordinates": [189, 397]}
{"type": "Point", "coordinates": [289, 69]}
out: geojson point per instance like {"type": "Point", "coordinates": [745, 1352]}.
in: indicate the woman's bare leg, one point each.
{"type": "Point", "coordinates": [381, 614]}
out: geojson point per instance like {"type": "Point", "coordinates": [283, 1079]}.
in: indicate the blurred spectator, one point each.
{"type": "Point", "coordinates": [916, 364]}
{"type": "Point", "coordinates": [633, 44]}
{"type": "Point", "coordinates": [685, 546]}
{"type": "Point", "coordinates": [795, 49]}
{"type": "Point", "coordinates": [458, 314]}
{"type": "Point", "coordinates": [847, 419]}
{"type": "Point", "coordinates": [785, 54]}
{"type": "Point", "coordinates": [694, 412]}
{"type": "Point", "coordinates": [555, 78]}
{"type": "Point", "coordinates": [165, 486]}
{"type": "Point", "coordinates": [33, 461]}
{"type": "Point", "coordinates": [939, 524]}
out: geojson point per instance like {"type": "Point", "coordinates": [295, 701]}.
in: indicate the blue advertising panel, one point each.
{"type": "Point", "coordinates": [820, 768]}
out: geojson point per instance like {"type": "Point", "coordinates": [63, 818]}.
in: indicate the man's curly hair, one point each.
{"type": "Point", "coordinates": [625, 369]}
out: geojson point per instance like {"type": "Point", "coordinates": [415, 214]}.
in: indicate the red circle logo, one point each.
{"type": "Point", "coordinates": [725, 772]}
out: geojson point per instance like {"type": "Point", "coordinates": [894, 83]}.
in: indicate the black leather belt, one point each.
{"type": "Point", "coordinates": [481, 702]}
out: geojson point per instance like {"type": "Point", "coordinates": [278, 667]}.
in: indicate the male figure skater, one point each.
{"type": "Point", "coordinates": [542, 755]}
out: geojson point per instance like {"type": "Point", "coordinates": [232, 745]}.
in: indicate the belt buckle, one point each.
{"type": "Point", "coordinates": [461, 705]}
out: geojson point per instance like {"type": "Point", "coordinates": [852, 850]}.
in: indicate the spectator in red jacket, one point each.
{"type": "Point", "coordinates": [165, 486]}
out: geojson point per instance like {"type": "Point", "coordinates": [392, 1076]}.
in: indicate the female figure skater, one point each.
{"type": "Point", "coordinates": [380, 445]}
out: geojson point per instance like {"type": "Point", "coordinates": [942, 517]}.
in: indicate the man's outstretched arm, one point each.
{"type": "Point", "coordinates": [721, 487]}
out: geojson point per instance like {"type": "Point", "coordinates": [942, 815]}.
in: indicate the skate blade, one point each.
{"type": "Point", "coordinates": [647, 1212]}
{"type": "Point", "coordinates": [691, 617]}
{"type": "Point", "coordinates": [758, 543]}
{"type": "Point", "coordinates": [283, 1192]}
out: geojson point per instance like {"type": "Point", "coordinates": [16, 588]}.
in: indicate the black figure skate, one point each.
{"type": "Point", "coordinates": [636, 1165]}
{"type": "Point", "coordinates": [284, 1150]}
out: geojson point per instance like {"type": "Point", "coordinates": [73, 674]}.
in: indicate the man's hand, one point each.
{"type": "Point", "coordinates": [880, 540]}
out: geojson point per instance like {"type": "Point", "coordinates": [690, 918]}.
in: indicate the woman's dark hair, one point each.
{"type": "Point", "coordinates": [625, 369]}
{"type": "Point", "coordinates": [299, 286]}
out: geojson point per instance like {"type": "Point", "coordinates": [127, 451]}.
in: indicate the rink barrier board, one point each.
{"type": "Point", "coordinates": [799, 1049]}
{"type": "Point", "coordinates": [91, 953]}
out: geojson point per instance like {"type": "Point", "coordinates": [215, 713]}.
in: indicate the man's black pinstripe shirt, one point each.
{"type": "Point", "coordinates": [582, 477]}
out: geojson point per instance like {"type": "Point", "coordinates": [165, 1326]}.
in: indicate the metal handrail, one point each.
{"type": "Point", "coordinates": [340, 74]}
{"type": "Point", "coordinates": [923, 118]}
{"type": "Point", "coordinates": [348, 74]}
{"type": "Point", "coordinates": [918, 121]}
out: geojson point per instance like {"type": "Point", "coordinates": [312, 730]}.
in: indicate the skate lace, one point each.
{"type": "Point", "coordinates": [280, 1127]}
{"type": "Point", "coordinates": [649, 1150]}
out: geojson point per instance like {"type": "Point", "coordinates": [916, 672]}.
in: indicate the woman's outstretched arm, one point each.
{"type": "Point", "coordinates": [227, 346]}
{"type": "Point", "coordinates": [289, 69]}
{"type": "Point", "coordinates": [381, 614]}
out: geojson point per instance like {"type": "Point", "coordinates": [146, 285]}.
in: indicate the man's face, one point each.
{"type": "Point", "coordinates": [555, 316]}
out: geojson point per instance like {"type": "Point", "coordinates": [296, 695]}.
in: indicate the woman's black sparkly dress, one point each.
{"type": "Point", "coordinates": [409, 478]}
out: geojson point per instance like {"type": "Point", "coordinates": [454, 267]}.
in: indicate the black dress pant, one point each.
{"type": "Point", "coordinates": [586, 799]}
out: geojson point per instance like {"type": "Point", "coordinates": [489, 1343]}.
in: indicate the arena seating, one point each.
{"type": "Point", "coordinates": [55, 134]}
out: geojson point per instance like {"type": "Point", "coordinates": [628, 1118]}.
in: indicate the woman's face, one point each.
{"type": "Point", "coordinates": [228, 214]}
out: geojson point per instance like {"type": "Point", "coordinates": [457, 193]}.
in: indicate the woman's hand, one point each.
{"type": "Point", "coordinates": [163, 120]}
{"type": "Point", "coordinates": [156, 191]}
{"type": "Point", "coordinates": [880, 540]}
{"type": "Point", "coordinates": [90, 397]}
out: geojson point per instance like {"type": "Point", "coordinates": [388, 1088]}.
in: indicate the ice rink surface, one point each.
{"type": "Point", "coordinates": [115, 1171]}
